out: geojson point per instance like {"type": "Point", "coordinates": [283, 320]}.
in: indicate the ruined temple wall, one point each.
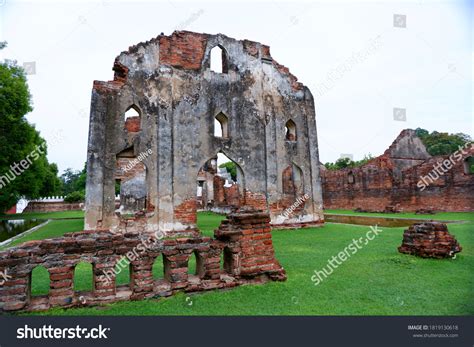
{"type": "Point", "coordinates": [375, 187]}
{"type": "Point", "coordinates": [168, 79]}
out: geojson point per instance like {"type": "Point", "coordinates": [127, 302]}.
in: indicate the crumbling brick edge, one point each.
{"type": "Point", "coordinates": [244, 239]}
{"type": "Point", "coordinates": [429, 240]}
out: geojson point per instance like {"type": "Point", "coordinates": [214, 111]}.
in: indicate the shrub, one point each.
{"type": "Point", "coordinates": [75, 197]}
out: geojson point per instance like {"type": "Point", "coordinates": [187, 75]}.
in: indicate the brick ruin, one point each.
{"type": "Point", "coordinates": [152, 137]}
{"type": "Point", "coordinates": [429, 240]}
{"type": "Point", "coordinates": [166, 101]}
{"type": "Point", "coordinates": [243, 240]}
{"type": "Point", "coordinates": [390, 182]}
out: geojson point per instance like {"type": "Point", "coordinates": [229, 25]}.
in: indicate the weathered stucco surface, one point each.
{"type": "Point", "coordinates": [168, 81]}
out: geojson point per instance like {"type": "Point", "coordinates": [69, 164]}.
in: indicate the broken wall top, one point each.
{"type": "Point", "coordinates": [189, 52]}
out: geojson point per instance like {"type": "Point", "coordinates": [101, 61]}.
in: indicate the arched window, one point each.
{"type": "Point", "coordinates": [292, 181]}
{"type": "Point", "coordinates": [218, 60]}
{"type": "Point", "coordinates": [132, 119]}
{"type": "Point", "coordinates": [84, 277]}
{"type": "Point", "coordinates": [290, 129]}
{"type": "Point", "coordinates": [350, 178]}
{"type": "Point", "coordinates": [221, 126]}
{"type": "Point", "coordinates": [469, 165]}
{"type": "Point", "coordinates": [131, 112]}
{"type": "Point", "coordinates": [39, 281]}
{"type": "Point", "coordinates": [130, 181]}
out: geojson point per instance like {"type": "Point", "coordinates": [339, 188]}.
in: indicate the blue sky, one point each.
{"type": "Point", "coordinates": [359, 65]}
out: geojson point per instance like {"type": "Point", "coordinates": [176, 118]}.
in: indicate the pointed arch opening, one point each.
{"type": "Point", "coordinates": [292, 187]}
{"type": "Point", "coordinates": [220, 184]}
{"type": "Point", "coordinates": [133, 119]}
{"type": "Point", "coordinates": [130, 182]}
{"type": "Point", "coordinates": [290, 130]}
{"type": "Point", "coordinates": [218, 59]}
{"type": "Point", "coordinates": [221, 126]}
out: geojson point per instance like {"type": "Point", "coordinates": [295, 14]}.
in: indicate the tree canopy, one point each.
{"type": "Point", "coordinates": [344, 163]}
{"type": "Point", "coordinates": [24, 167]}
{"type": "Point", "coordinates": [73, 181]}
{"type": "Point", "coordinates": [231, 168]}
{"type": "Point", "coordinates": [437, 143]}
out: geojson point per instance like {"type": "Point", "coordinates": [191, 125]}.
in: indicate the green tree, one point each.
{"type": "Point", "coordinates": [21, 173]}
{"type": "Point", "coordinates": [344, 163]}
{"type": "Point", "coordinates": [73, 181]}
{"type": "Point", "coordinates": [437, 143]}
{"type": "Point", "coordinates": [231, 168]}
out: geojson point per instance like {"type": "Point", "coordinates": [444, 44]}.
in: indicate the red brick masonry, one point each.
{"type": "Point", "coordinates": [46, 206]}
{"type": "Point", "coordinates": [377, 186]}
{"type": "Point", "coordinates": [244, 239]}
{"type": "Point", "coordinates": [429, 240]}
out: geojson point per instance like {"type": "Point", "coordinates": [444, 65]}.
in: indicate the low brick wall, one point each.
{"type": "Point", "coordinates": [244, 239]}
{"type": "Point", "coordinates": [46, 206]}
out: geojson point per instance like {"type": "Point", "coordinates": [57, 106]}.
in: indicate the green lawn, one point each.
{"type": "Point", "coordinates": [48, 215]}
{"type": "Point", "coordinates": [466, 216]}
{"type": "Point", "coordinates": [54, 228]}
{"type": "Point", "coordinates": [375, 281]}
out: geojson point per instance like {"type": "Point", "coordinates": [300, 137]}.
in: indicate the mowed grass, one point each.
{"type": "Point", "coordinates": [377, 280]}
{"type": "Point", "coordinates": [47, 215]}
{"type": "Point", "coordinates": [447, 216]}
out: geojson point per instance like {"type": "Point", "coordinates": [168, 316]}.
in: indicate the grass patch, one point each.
{"type": "Point", "coordinates": [377, 280]}
{"type": "Point", "coordinates": [447, 216]}
{"type": "Point", "coordinates": [47, 215]}
{"type": "Point", "coordinates": [55, 228]}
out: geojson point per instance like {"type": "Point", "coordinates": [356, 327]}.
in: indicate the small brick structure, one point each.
{"type": "Point", "coordinates": [429, 240]}
{"type": "Point", "coordinates": [244, 239]}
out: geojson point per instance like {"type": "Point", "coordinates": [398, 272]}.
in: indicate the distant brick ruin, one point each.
{"type": "Point", "coordinates": [391, 182]}
{"type": "Point", "coordinates": [266, 122]}
{"type": "Point", "coordinates": [429, 240]}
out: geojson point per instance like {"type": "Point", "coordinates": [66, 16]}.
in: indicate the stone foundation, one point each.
{"type": "Point", "coordinates": [244, 239]}
{"type": "Point", "coordinates": [429, 240]}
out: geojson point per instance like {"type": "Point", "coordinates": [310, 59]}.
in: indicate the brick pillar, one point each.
{"type": "Point", "coordinates": [61, 285]}
{"type": "Point", "coordinates": [14, 291]}
{"type": "Point", "coordinates": [176, 262]}
{"type": "Point", "coordinates": [104, 278]}
{"type": "Point", "coordinates": [212, 261]}
{"type": "Point", "coordinates": [15, 283]}
{"type": "Point", "coordinates": [141, 278]}
{"type": "Point", "coordinates": [219, 195]}
{"type": "Point", "coordinates": [248, 238]}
